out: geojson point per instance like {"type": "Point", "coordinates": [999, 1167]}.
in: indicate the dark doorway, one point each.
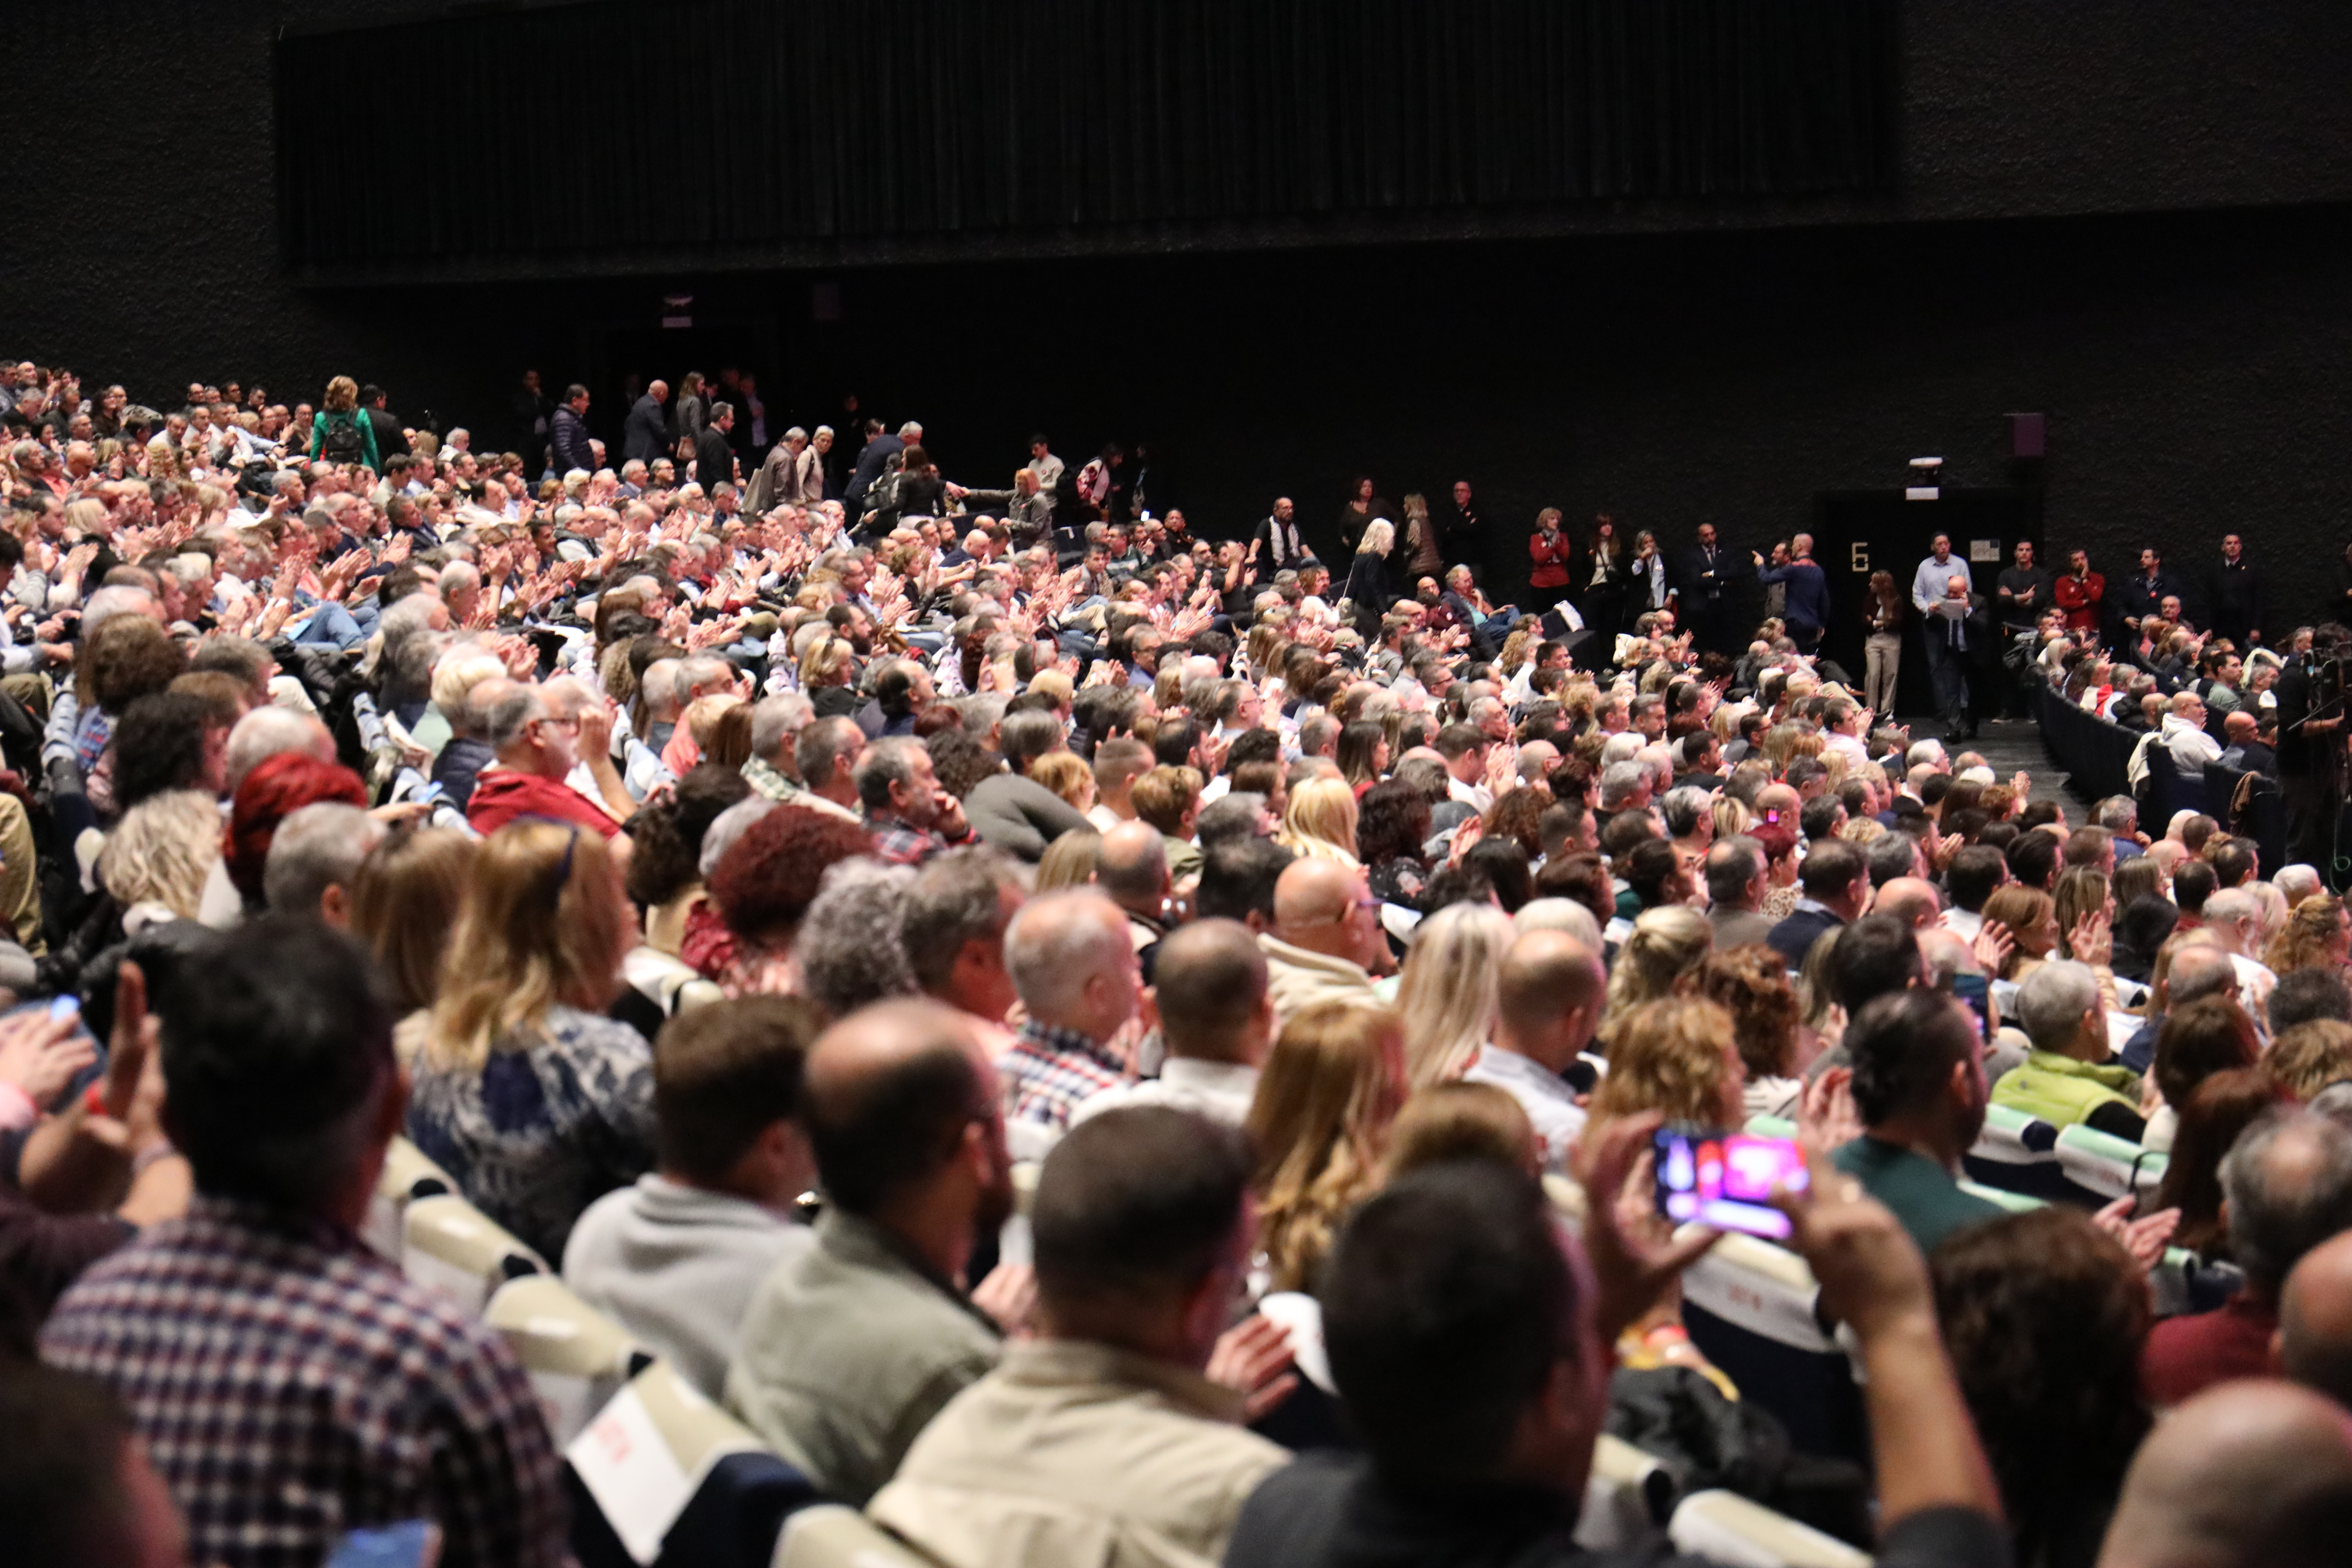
{"type": "Point", "coordinates": [1856, 532]}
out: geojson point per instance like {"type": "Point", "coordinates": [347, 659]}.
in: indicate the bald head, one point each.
{"type": "Point", "coordinates": [1550, 994]}
{"type": "Point", "coordinates": [889, 1090]}
{"type": "Point", "coordinates": [1132, 867]}
{"type": "Point", "coordinates": [1909, 899]}
{"type": "Point", "coordinates": [2316, 1320]}
{"type": "Point", "coordinates": [1209, 980]}
{"type": "Point", "coordinates": [1315, 907]}
{"type": "Point", "coordinates": [2255, 1473]}
{"type": "Point", "coordinates": [1072, 961]}
{"type": "Point", "coordinates": [2200, 970]}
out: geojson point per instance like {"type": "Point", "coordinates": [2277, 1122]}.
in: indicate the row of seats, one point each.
{"type": "Point", "coordinates": [2096, 755]}
{"type": "Point", "coordinates": [2018, 1152]}
{"type": "Point", "coordinates": [658, 1476]}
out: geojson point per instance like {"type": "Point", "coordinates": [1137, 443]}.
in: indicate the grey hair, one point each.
{"type": "Point", "coordinates": [2052, 1000]}
{"type": "Point", "coordinates": [1558, 914]}
{"type": "Point", "coordinates": [2232, 905]}
{"type": "Point", "coordinates": [2278, 1214]}
{"type": "Point", "coordinates": [849, 948]}
{"type": "Point", "coordinates": [888, 761]}
{"type": "Point", "coordinates": [797, 434]}
{"type": "Point", "coordinates": [1731, 865]}
{"type": "Point", "coordinates": [2117, 814]}
{"type": "Point", "coordinates": [1620, 781]}
{"type": "Point", "coordinates": [267, 732]}
{"type": "Point", "coordinates": [777, 720]}
{"type": "Point", "coordinates": [956, 899]}
{"type": "Point", "coordinates": [458, 574]}
{"type": "Point", "coordinates": [822, 430]}
{"type": "Point", "coordinates": [510, 715]}
{"type": "Point", "coordinates": [318, 846]}
{"type": "Point", "coordinates": [120, 598]}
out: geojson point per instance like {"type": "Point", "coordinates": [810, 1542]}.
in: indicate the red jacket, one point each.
{"type": "Point", "coordinates": [500, 795]}
{"type": "Point", "coordinates": [1550, 552]}
{"type": "Point", "coordinates": [2080, 600]}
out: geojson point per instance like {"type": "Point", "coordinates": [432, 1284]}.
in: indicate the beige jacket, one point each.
{"type": "Point", "coordinates": [1075, 1455]}
{"type": "Point", "coordinates": [1297, 979]}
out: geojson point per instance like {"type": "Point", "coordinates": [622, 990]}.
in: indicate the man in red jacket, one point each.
{"type": "Point", "coordinates": [540, 734]}
{"type": "Point", "coordinates": [2079, 594]}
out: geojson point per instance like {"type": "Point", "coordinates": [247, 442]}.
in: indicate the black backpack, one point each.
{"type": "Point", "coordinates": [341, 444]}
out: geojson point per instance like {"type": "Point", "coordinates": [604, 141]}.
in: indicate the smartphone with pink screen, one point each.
{"type": "Point", "coordinates": [1726, 1179]}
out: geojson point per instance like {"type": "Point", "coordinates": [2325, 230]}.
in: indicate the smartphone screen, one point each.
{"type": "Point", "coordinates": [1726, 1179]}
{"type": "Point", "coordinates": [1972, 990]}
{"type": "Point", "coordinates": [64, 1007]}
{"type": "Point", "coordinates": [414, 1543]}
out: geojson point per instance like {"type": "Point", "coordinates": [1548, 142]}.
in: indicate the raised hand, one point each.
{"type": "Point", "coordinates": [41, 1055]}
{"type": "Point", "coordinates": [1253, 1358]}
{"type": "Point", "coordinates": [2146, 1238]}
{"type": "Point", "coordinates": [1630, 1270]}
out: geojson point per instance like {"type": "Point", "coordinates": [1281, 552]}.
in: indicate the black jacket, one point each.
{"type": "Point", "coordinates": [646, 436]}
{"type": "Point", "coordinates": [389, 441]}
{"type": "Point", "coordinates": [714, 460]}
{"type": "Point", "coordinates": [567, 440]}
{"type": "Point", "coordinates": [870, 464]}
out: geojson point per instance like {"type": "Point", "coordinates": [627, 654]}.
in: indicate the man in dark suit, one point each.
{"type": "Point", "coordinates": [646, 434]}
{"type": "Point", "coordinates": [1701, 575]}
{"type": "Point", "coordinates": [1461, 532]}
{"type": "Point", "coordinates": [389, 440]}
{"type": "Point", "coordinates": [1959, 638]}
{"type": "Point", "coordinates": [2233, 592]}
{"type": "Point", "coordinates": [880, 449]}
{"type": "Point", "coordinates": [1836, 882]}
{"type": "Point", "coordinates": [714, 459]}
{"type": "Point", "coordinates": [2144, 591]}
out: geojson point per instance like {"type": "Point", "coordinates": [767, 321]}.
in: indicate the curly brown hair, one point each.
{"type": "Point", "coordinates": [1751, 984]}
{"type": "Point", "coordinates": [2045, 1316]}
{"type": "Point", "coordinates": [127, 657]}
{"type": "Point", "coordinates": [769, 876]}
{"type": "Point", "coordinates": [1514, 816]}
{"type": "Point", "coordinates": [1674, 1056]}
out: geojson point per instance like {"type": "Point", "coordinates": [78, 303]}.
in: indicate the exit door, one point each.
{"type": "Point", "coordinates": [1856, 532]}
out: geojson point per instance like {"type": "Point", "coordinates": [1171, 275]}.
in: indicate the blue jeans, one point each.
{"type": "Point", "coordinates": [331, 625]}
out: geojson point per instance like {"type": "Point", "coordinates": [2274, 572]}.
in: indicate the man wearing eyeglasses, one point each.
{"type": "Point", "coordinates": [1327, 940]}
{"type": "Point", "coordinates": [541, 735]}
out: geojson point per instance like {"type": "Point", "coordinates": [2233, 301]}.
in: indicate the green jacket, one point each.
{"type": "Point", "coordinates": [2063, 1091]}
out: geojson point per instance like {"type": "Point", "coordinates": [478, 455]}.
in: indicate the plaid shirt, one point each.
{"type": "Point", "coordinates": [1049, 1071]}
{"type": "Point", "coordinates": [291, 1385]}
{"type": "Point", "coordinates": [901, 843]}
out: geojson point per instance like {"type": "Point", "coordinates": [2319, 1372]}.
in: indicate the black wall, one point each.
{"type": "Point", "coordinates": [2129, 217]}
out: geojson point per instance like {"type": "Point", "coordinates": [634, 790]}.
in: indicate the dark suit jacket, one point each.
{"type": "Point", "coordinates": [714, 460]}
{"type": "Point", "coordinates": [567, 438]}
{"type": "Point", "coordinates": [870, 464]}
{"type": "Point", "coordinates": [646, 434]}
{"type": "Point", "coordinates": [389, 441]}
{"type": "Point", "coordinates": [1794, 937]}
{"type": "Point", "coordinates": [1701, 582]}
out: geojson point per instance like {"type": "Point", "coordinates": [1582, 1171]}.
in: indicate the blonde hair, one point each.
{"type": "Point", "coordinates": [1449, 1121]}
{"type": "Point", "coordinates": [1675, 1057]}
{"type": "Point", "coordinates": [2302, 942]}
{"type": "Point", "coordinates": [702, 716]}
{"type": "Point", "coordinates": [1320, 820]}
{"type": "Point", "coordinates": [343, 395]}
{"type": "Point", "coordinates": [2311, 1055]}
{"type": "Point", "coordinates": [1448, 994]}
{"type": "Point", "coordinates": [1667, 943]}
{"type": "Point", "coordinates": [457, 674]}
{"type": "Point", "coordinates": [163, 852]}
{"type": "Point", "coordinates": [86, 514]}
{"type": "Point", "coordinates": [827, 658]}
{"type": "Point", "coordinates": [404, 901]}
{"type": "Point", "coordinates": [1066, 776]}
{"type": "Point", "coordinates": [1055, 684]}
{"type": "Point", "coordinates": [1330, 1087]}
{"type": "Point", "coordinates": [1069, 860]}
{"type": "Point", "coordinates": [542, 923]}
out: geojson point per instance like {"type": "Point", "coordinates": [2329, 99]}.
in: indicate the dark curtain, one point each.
{"type": "Point", "coordinates": [630, 126]}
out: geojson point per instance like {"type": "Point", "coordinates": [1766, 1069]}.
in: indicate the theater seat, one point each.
{"type": "Point", "coordinates": [2015, 1203]}
{"type": "Point", "coordinates": [1628, 1498]}
{"type": "Point", "coordinates": [407, 1176]}
{"type": "Point", "coordinates": [577, 1357]}
{"type": "Point", "coordinates": [449, 1246]}
{"type": "Point", "coordinates": [2016, 1152]}
{"type": "Point", "coordinates": [2101, 1167]}
{"type": "Point", "coordinates": [1771, 1126]}
{"type": "Point", "coordinates": [664, 1478]}
{"type": "Point", "coordinates": [832, 1536]}
{"type": "Point", "coordinates": [1724, 1527]}
{"type": "Point", "coordinates": [1752, 1308]}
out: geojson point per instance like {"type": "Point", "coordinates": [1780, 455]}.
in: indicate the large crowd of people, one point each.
{"type": "Point", "coordinates": [930, 963]}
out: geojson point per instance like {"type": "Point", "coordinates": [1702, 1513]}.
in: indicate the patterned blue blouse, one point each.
{"type": "Point", "coordinates": [555, 1119]}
